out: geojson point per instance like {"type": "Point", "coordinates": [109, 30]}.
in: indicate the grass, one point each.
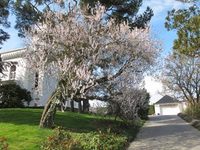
{"type": "Point", "coordinates": [20, 126]}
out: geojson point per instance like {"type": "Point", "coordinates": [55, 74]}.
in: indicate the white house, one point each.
{"type": "Point", "coordinates": [169, 106]}
{"type": "Point", "coordinates": [19, 72]}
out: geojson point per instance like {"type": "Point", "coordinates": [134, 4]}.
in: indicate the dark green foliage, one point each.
{"type": "Point", "coordinates": [64, 140]}
{"type": "Point", "coordinates": [30, 12]}
{"type": "Point", "coordinates": [12, 96]}
{"type": "Point", "coordinates": [187, 24]}
{"type": "Point", "coordinates": [61, 140]}
{"type": "Point", "coordinates": [4, 13]}
{"type": "Point", "coordinates": [27, 12]}
{"type": "Point", "coordinates": [129, 112]}
{"type": "Point", "coordinates": [123, 11]}
{"type": "Point", "coordinates": [4, 23]}
{"type": "Point", "coordinates": [151, 110]}
{"type": "Point", "coordinates": [102, 141]}
{"type": "Point", "coordinates": [144, 109]}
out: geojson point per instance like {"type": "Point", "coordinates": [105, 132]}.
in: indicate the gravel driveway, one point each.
{"type": "Point", "coordinates": [166, 133]}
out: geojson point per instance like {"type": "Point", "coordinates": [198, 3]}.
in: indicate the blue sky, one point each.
{"type": "Point", "coordinates": [160, 8]}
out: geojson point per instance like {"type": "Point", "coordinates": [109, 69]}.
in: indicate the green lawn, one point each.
{"type": "Point", "coordinates": [20, 126]}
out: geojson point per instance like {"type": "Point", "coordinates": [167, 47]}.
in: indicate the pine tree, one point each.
{"type": "Point", "coordinates": [187, 24]}
{"type": "Point", "coordinates": [123, 11]}
{"type": "Point", "coordinates": [4, 23]}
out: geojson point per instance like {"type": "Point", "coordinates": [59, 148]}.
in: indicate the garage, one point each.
{"type": "Point", "coordinates": [170, 109]}
{"type": "Point", "coordinates": [168, 106]}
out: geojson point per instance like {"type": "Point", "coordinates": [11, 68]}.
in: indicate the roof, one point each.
{"type": "Point", "coordinates": [13, 54]}
{"type": "Point", "coordinates": [167, 99]}
{"type": "Point", "coordinates": [13, 50]}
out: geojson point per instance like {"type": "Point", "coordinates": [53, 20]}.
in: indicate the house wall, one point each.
{"type": "Point", "coordinates": [157, 109]}
{"type": "Point", "coordinates": [169, 109]}
{"type": "Point", "coordinates": [25, 77]}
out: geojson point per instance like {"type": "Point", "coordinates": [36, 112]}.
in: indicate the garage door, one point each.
{"type": "Point", "coordinates": [170, 110]}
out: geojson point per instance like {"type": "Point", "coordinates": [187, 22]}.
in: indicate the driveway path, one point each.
{"type": "Point", "coordinates": [166, 133]}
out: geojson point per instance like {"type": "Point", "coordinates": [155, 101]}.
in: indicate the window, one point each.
{"type": "Point", "coordinates": [12, 72]}
{"type": "Point", "coordinates": [36, 79]}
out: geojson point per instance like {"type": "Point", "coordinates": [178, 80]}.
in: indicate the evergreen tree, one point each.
{"type": "Point", "coordinates": [122, 11]}
{"type": "Point", "coordinates": [187, 24]}
{"type": "Point", "coordinates": [30, 12]}
{"type": "Point", "coordinates": [4, 23]}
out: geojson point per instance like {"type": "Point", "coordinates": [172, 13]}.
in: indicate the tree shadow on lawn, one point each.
{"type": "Point", "coordinates": [20, 116]}
{"type": "Point", "coordinates": [71, 121]}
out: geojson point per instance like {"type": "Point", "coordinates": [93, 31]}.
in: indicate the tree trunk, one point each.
{"type": "Point", "coordinates": [86, 106]}
{"type": "Point", "coordinates": [79, 107]}
{"type": "Point", "coordinates": [62, 106]}
{"type": "Point", "coordinates": [72, 105]}
{"type": "Point", "coordinates": [48, 115]}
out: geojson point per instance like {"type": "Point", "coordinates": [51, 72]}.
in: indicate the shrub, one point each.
{"type": "Point", "coordinates": [143, 113]}
{"type": "Point", "coordinates": [151, 110]}
{"type": "Point", "coordinates": [12, 95]}
{"type": "Point", "coordinates": [3, 143]}
{"type": "Point", "coordinates": [144, 107]}
{"type": "Point", "coordinates": [196, 124]}
{"type": "Point", "coordinates": [193, 111]}
{"type": "Point", "coordinates": [185, 117]}
{"type": "Point", "coordinates": [102, 141]}
{"type": "Point", "coordinates": [61, 140]}
{"type": "Point", "coordinates": [130, 105]}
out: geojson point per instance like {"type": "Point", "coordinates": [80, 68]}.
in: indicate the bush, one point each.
{"type": "Point", "coordinates": [61, 140]}
{"type": "Point", "coordinates": [130, 105]}
{"type": "Point", "coordinates": [143, 113]}
{"type": "Point", "coordinates": [185, 117]}
{"type": "Point", "coordinates": [3, 143]}
{"type": "Point", "coordinates": [103, 141]}
{"type": "Point", "coordinates": [12, 96]}
{"type": "Point", "coordinates": [144, 108]}
{"type": "Point", "coordinates": [151, 110]}
{"type": "Point", "coordinates": [193, 111]}
{"type": "Point", "coordinates": [196, 124]}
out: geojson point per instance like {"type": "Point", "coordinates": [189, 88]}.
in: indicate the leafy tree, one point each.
{"type": "Point", "coordinates": [27, 14]}
{"type": "Point", "coordinates": [4, 13]}
{"type": "Point", "coordinates": [187, 24]}
{"type": "Point", "coordinates": [86, 54]}
{"type": "Point", "coordinates": [130, 104]}
{"type": "Point", "coordinates": [76, 83]}
{"type": "Point", "coordinates": [144, 106]}
{"type": "Point", "coordinates": [182, 76]}
{"type": "Point", "coordinates": [122, 11]}
{"type": "Point", "coordinates": [30, 12]}
{"type": "Point", "coordinates": [12, 95]}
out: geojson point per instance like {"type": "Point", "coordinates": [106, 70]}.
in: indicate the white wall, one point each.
{"type": "Point", "coordinates": [25, 77]}
{"type": "Point", "coordinates": [169, 109]}
{"type": "Point", "coordinates": [157, 109]}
